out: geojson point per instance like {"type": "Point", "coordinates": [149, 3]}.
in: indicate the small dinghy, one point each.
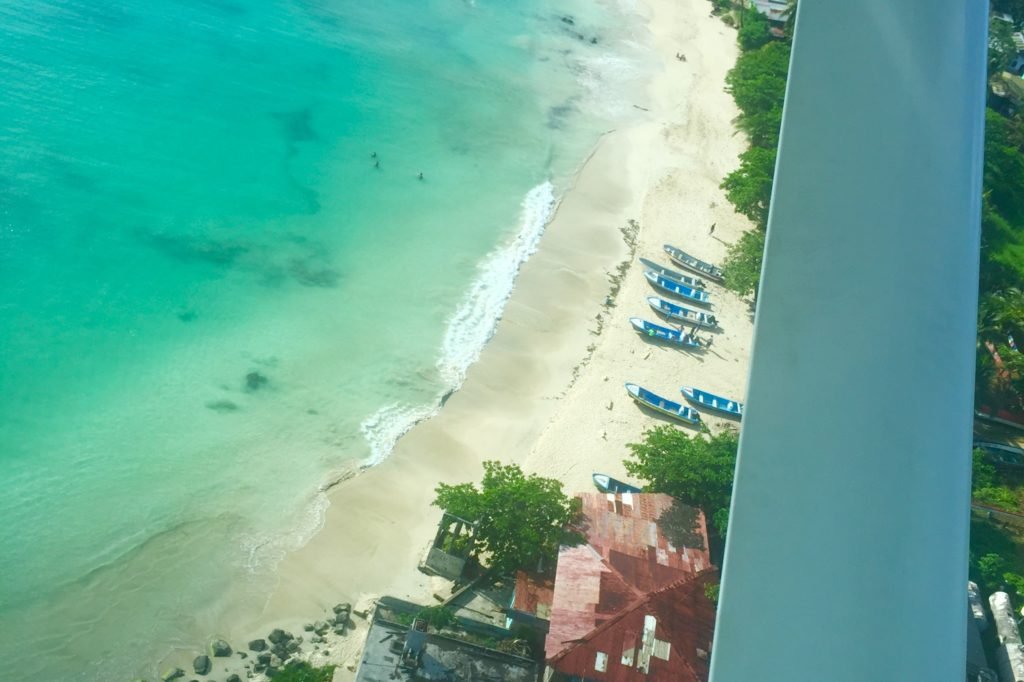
{"type": "Point", "coordinates": [663, 405]}
{"type": "Point", "coordinates": [685, 260]}
{"type": "Point", "coordinates": [677, 289]}
{"type": "Point", "coordinates": [713, 402]}
{"type": "Point", "coordinates": [607, 484]}
{"type": "Point", "coordinates": [682, 313]}
{"type": "Point", "coordinates": [654, 331]}
{"type": "Point", "coordinates": [672, 274]}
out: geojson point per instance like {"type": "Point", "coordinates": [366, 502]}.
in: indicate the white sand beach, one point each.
{"type": "Point", "coordinates": [547, 392]}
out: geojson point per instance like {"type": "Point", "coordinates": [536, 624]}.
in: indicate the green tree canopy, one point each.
{"type": "Point", "coordinates": [1004, 166]}
{"type": "Point", "coordinates": [758, 81]}
{"type": "Point", "coordinates": [742, 266]}
{"type": "Point", "coordinates": [753, 31]}
{"type": "Point", "coordinates": [749, 187]}
{"type": "Point", "coordinates": [697, 470]}
{"type": "Point", "coordinates": [520, 520]}
{"type": "Point", "coordinates": [1001, 50]}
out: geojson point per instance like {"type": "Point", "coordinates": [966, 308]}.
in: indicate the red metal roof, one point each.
{"type": "Point", "coordinates": [636, 544]}
{"type": "Point", "coordinates": [664, 637]}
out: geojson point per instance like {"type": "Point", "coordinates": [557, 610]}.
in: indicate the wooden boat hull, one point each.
{"type": "Point", "coordinates": [607, 484]}
{"type": "Point", "coordinates": [656, 268]}
{"type": "Point", "coordinates": [682, 314]}
{"type": "Point", "coordinates": [678, 290]}
{"type": "Point", "coordinates": [654, 331]}
{"type": "Point", "coordinates": [664, 406]}
{"type": "Point", "coordinates": [685, 260]}
{"type": "Point", "coordinates": [713, 402]}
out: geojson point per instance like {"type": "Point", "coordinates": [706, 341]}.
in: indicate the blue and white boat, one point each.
{"type": "Point", "coordinates": [654, 331]}
{"type": "Point", "coordinates": [677, 289]}
{"type": "Point", "coordinates": [672, 274]}
{"type": "Point", "coordinates": [685, 260]}
{"type": "Point", "coordinates": [713, 402]}
{"type": "Point", "coordinates": [665, 406]}
{"type": "Point", "coordinates": [607, 484]}
{"type": "Point", "coordinates": [682, 313]}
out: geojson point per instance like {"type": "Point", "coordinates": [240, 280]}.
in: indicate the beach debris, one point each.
{"type": "Point", "coordinates": [605, 378]}
{"type": "Point", "coordinates": [201, 664]}
{"type": "Point", "coordinates": [568, 20]}
{"type": "Point", "coordinates": [220, 648]}
{"type": "Point", "coordinates": [172, 674]}
{"type": "Point", "coordinates": [255, 381]}
{"type": "Point", "coordinates": [647, 355]}
{"type": "Point", "coordinates": [258, 645]}
{"type": "Point", "coordinates": [610, 405]}
{"type": "Point", "coordinates": [604, 435]}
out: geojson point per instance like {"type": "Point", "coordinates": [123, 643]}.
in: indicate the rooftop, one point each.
{"type": "Point", "coordinates": [664, 637]}
{"type": "Point", "coordinates": [442, 657]}
{"type": "Point", "coordinates": [636, 544]}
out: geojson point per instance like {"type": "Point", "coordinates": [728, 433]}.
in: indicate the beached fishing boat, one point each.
{"type": "Point", "coordinates": [607, 484]}
{"type": "Point", "coordinates": [712, 401]}
{"type": "Point", "coordinates": [654, 331]}
{"type": "Point", "coordinates": [682, 313]}
{"type": "Point", "coordinates": [685, 260]}
{"type": "Point", "coordinates": [676, 289]}
{"type": "Point", "coordinates": [1001, 453]}
{"type": "Point", "coordinates": [665, 406]}
{"type": "Point", "coordinates": [672, 274]}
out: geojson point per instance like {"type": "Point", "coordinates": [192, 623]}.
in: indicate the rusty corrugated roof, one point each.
{"type": "Point", "coordinates": [664, 637]}
{"type": "Point", "coordinates": [636, 544]}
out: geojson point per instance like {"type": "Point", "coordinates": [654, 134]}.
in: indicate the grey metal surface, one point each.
{"type": "Point", "coordinates": [846, 558]}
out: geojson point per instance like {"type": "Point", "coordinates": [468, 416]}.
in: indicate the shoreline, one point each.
{"type": "Point", "coordinates": [546, 391]}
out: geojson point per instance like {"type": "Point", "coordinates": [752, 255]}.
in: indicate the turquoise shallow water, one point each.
{"type": "Point", "coordinates": [188, 200]}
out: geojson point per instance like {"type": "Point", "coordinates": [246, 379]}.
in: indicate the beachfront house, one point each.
{"type": "Point", "coordinates": [775, 10]}
{"type": "Point", "coordinates": [403, 644]}
{"type": "Point", "coordinates": [451, 549]}
{"type": "Point", "coordinates": [631, 603]}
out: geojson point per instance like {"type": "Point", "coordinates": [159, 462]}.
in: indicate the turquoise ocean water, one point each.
{"type": "Point", "coordinates": [212, 301]}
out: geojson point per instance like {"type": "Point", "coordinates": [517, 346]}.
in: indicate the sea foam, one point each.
{"type": "Point", "coordinates": [470, 327]}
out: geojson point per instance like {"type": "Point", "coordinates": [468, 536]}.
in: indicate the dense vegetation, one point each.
{"type": "Point", "coordinates": [758, 84]}
{"type": "Point", "coordinates": [520, 521]}
{"type": "Point", "coordinates": [304, 672]}
{"type": "Point", "coordinates": [696, 470]}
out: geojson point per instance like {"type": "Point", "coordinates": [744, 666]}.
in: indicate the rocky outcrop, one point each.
{"type": "Point", "coordinates": [278, 635]}
{"type": "Point", "coordinates": [220, 648]}
{"type": "Point", "coordinates": [258, 645]}
{"type": "Point", "coordinates": [202, 665]}
{"type": "Point", "coordinates": [172, 674]}
{"type": "Point", "coordinates": [233, 678]}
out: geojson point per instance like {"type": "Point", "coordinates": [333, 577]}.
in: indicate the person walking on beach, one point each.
{"type": "Point", "coordinates": [712, 230]}
{"type": "Point", "coordinates": [707, 344]}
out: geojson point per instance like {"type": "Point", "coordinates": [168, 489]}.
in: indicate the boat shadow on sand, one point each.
{"type": "Point", "coordinates": [660, 416]}
{"type": "Point", "coordinates": [662, 344]}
